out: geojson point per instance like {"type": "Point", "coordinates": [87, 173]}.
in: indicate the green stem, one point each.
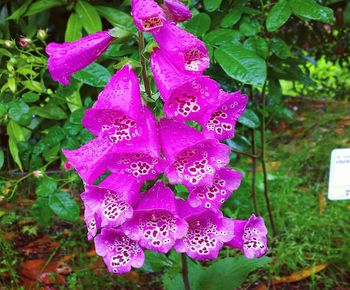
{"type": "Point", "coordinates": [254, 157]}
{"type": "Point", "coordinates": [244, 153]}
{"type": "Point", "coordinates": [146, 82]}
{"type": "Point", "coordinates": [185, 272]}
{"type": "Point", "coordinates": [263, 161]}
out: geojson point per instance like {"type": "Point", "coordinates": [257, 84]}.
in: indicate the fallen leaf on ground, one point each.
{"type": "Point", "coordinates": [322, 203]}
{"type": "Point", "coordinates": [297, 276]}
{"type": "Point", "coordinates": [43, 245]}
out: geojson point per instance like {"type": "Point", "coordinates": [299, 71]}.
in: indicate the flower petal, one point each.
{"type": "Point", "coordinates": [147, 15]}
{"type": "Point", "coordinates": [220, 124]}
{"type": "Point", "coordinates": [185, 50]}
{"type": "Point", "coordinates": [118, 251]}
{"type": "Point", "coordinates": [176, 11]}
{"type": "Point", "coordinates": [187, 96]}
{"type": "Point", "coordinates": [213, 196]}
{"type": "Point", "coordinates": [67, 58]}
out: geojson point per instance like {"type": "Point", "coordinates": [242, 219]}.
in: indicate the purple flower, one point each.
{"type": "Point", "coordinates": [67, 58]}
{"type": "Point", "coordinates": [186, 95]}
{"type": "Point", "coordinates": [147, 15]}
{"type": "Point", "coordinates": [213, 196]}
{"type": "Point", "coordinates": [176, 11]}
{"type": "Point", "coordinates": [250, 237]}
{"type": "Point", "coordinates": [111, 203]}
{"type": "Point", "coordinates": [207, 232]}
{"type": "Point", "coordinates": [155, 224]}
{"type": "Point", "coordinates": [121, 124]}
{"type": "Point", "coordinates": [118, 251]}
{"type": "Point", "coordinates": [193, 159]}
{"type": "Point", "coordinates": [184, 49]}
{"type": "Point", "coordinates": [220, 124]}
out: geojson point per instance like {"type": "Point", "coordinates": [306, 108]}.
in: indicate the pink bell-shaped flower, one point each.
{"type": "Point", "coordinates": [220, 122]}
{"type": "Point", "coordinates": [212, 197]}
{"type": "Point", "coordinates": [250, 237]}
{"type": "Point", "coordinates": [118, 251]}
{"type": "Point", "coordinates": [121, 124]}
{"type": "Point", "coordinates": [186, 96]}
{"type": "Point", "coordinates": [207, 232]}
{"type": "Point", "coordinates": [155, 224]}
{"type": "Point", "coordinates": [176, 11]}
{"type": "Point", "coordinates": [114, 206]}
{"type": "Point", "coordinates": [68, 57]}
{"type": "Point", "coordinates": [147, 15]}
{"type": "Point", "coordinates": [193, 159]}
{"type": "Point", "coordinates": [184, 49]}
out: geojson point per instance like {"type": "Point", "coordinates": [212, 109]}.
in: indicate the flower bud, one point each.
{"type": "Point", "coordinates": [9, 43]}
{"type": "Point", "coordinates": [24, 42]}
{"type": "Point", "coordinates": [38, 173]}
{"type": "Point", "coordinates": [42, 34]}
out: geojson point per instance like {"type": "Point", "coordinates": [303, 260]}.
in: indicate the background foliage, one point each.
{"type": "Point", "coordinates": [272, 50]}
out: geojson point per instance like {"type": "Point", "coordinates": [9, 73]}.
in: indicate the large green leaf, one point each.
{"type": "Point", "coordinates": [49, 111]}
{"type": "Point", "coordinates": [155, 262]}
{"type": "Point", "coordinates": [259, 45]}
{"type": "Point", "coordinates": [116, 17]}
{"type": "Point", "coordinates": [17, 132]}
{"type": "Point", "coordinates": [30, 97]}
{"type": "Point", "coordinates": [222, 36]}
{"type": "Point", "coordinates": [46, 187]}
{"type": "Point", "coordinates": [249, 26]}
{"type": "Point", "coordinates": [230, 273]}
{"type": "Point", "coordinates": [94, 75]}
{"type": "Point", "coordinates": [249, 119]}
{"type": "Point", "coordinates": [212, 5]}
{"type": "Point", "coordinates": [63, 204]}
{"type": "Point", "coordinates": [198, 24]}
{"type": "Point", "coordinates": [73, 29]}
{"type": "Point", "coordinates": [280, 48]}
{"type": "Point", "coordinates": [310, 9]}
{"type": "Point", "coordinates": [20, 11]}
{"type": "Point", "coordinates": [242, 64]}
{"type": "Point", "coordinates": [41, 211]}
{"type": "Point", "coordinates": [42, 5]}
{"type": "Point", "coordinates": [89, 17]}
{"type": "Point", "coordinates": [278, 15]}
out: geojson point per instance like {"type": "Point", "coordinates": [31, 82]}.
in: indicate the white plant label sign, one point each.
{"type": "Point", "coordinates": [339, 175]}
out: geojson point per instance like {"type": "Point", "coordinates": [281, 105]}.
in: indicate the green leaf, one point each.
{"type": "Point", "coordinates": [19, 112]}
{"type": "Point", "coordinates": [155, 262]}
{"type": "Point", "coordinates": [280, 48]}
{"type": "Point", "coordinates": [32, 85]}
{"type": "Point", "coordinates": [89, 17]}
{"type": "Point", "coordinates": [2, 158]}
{"type": "Point", "coordinates": [41, 211]}
{"type": "Point", "coordinates": [222, 36]}
{"type": "Point", "coordinates": [63, 204]}
{"type": "Point", "coordinates": [46, 187]}
{"type": "Point", "coordinates": [249, 119]}
{"type": "Point", "coordinates": [42, 5]}
{"type": "Point", "coordinates": [30, 97]}
{"type": "Point", "coordinates": [73, 29]}
{"type": "Point", "coordinates": [116, 17]}
{"type": "Point", "coordinates": [20, 11]}
{"type": "Point", "coordinates": [249, 26]}
{"type": "Point", "coordinates": [310, 9]}
{"type": "Point", "coordinates": [15, 152]}
{"type": "Point", "coordinates": [234, 15]}
{"type": "Point", "coordinates": [17, 132]}
{"type": "Point", "coordinates": [257, 44]}
{"type": "Point", "coordinates": [49, 111]}
{"type": "Point", "coordinates": [230, 273]}
{"type": "Point", "coordinates": [241, 64]}
{"type": "Point", "coordinates": [347, 14]}
{"type": "Point", "coordinates": [278, 15]}
{"type": "Point", "coordinates": [94, 75]}
{"type": "Point", "coordinates": [212, 5]}
{"type": "Point", "coordinates": [198, 24]}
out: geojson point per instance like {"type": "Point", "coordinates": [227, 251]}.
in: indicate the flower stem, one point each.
{"type": "Point", "coordinates": [146, 82]}
{"type": "Point", "coordinates": [263, 161]}
{"type": "Point", "coordinates": [185, 272]}
{"type": "Point", "coordinates": [254, 158]}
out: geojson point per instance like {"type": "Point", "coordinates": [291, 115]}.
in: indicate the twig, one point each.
{"type": "Point", "coordinates": [143, 65]}
{"type": "Point", "coordinates": [245, 153]}
{"type": "Point", "coordinates": [185, 272]}
{"type": "Point", "coordinates": [263, 161]}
